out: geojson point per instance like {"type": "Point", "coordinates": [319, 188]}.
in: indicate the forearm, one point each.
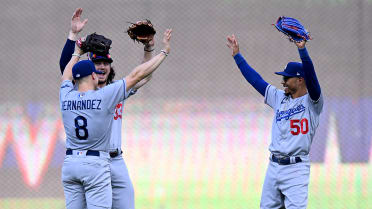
{"type": "Point", "coordinates": [311, 79]}
{"type": "Point", "coordinates": [250, 74]}
{"type": "Point", "coordinates": [67, 52]}
{"type": "Point", "coordinates": [67, 74]}
{"type": "Point", "coordinates": [147, 53]}
{"type": "Point", "coordinates": [150, 66]}
{"type": "Point", "coordinates": [72, 36]}
{"type": "Point", "coordinates": [142, 82]}
{"type": "Point", "coordinates": [144, 70]}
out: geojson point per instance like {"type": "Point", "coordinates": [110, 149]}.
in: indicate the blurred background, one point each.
{"type": "Point", "coordinates": [197, 135]}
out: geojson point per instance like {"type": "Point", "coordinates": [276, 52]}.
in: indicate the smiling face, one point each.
{"type": "Point", "coordinates": [291, 85]}
{"type": "Point", "coordinates": [105, 68]}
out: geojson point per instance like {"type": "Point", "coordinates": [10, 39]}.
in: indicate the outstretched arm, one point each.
{"type": "Point", "coordinates": [67, 74]}
{"type": "Point", "coordinates": [248, 72]}
{"type": "Point", "coordinates": [145, 69]}
{"type": "Point", "coordinates": [311, 79]}
{"type": "Point", "coordinates": [76, 26]}
{"type": "Point", "coordinates": [148, 49]}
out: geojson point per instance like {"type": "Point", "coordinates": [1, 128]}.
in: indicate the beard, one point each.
{"type": "Point", "coordinates": [290, 91]}
{"type": "Point", "coordinates": [102, 81]}
{"type": "Point", "coordinates": [287, 92]}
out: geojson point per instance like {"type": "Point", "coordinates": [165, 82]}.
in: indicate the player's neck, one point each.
{"type": "Point", "coordinates": [299, 93]}
{"type": "Point", "coordinates": [83, 87]}
{"type": "Point", "coordinates": [101, 85]}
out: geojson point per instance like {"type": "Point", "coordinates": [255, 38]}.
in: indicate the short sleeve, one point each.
{"type": "Point", "coordinates": [114, 93]}
{"type": "Point", "coordinates": [65, 88]}
{"type": "Point", "coordinates": [272, 95]}
{"type": "Point", "coordinates": [131, 92]}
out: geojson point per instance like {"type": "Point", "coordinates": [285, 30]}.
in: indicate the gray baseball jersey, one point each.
{"type": "Point", "coordinates": [87, 116]}
{"type": "Point", "coordinates": [88, 120]}
{"type": "Point", "coordinates": [115, 141]}
{"type": "Point", "coordinates": [122, 187]}
{"type": "Point", "coordinates": [293, 130]}
{"type": "Point", "coordinates": [294, 123]}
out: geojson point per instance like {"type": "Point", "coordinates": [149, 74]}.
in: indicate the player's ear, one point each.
{"type": "Point", "coordinates": [92, 76]}
{"type": "Point", "coordinates": [301, 80]}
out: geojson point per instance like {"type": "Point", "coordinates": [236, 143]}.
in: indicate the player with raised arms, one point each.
{"type": "Point", "coordinates": [122, 187]}
{"type": "Point", "coordinates": [297, 111]}
{"type": "Point", "coordinates": [87, 114]}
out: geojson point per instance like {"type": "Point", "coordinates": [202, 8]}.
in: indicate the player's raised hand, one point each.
{"type": "Point", "coordinates": [300, 44]}
{"type": "Point", "coordinates": [76, 24]}
{"type": "Point", "coordinates": [232, 43]}
{"type": "Point", "coordinates": [166, 39]}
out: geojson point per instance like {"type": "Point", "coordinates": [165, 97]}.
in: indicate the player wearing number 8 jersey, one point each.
{"type": "Point", "coordinates": [297, 111]}
{"type": "Point", "coordinates": [122, 187]}
{"type": "Point", "coordinates": [87, 115]}
{"type": "Point", "coordinates": [87, 119]}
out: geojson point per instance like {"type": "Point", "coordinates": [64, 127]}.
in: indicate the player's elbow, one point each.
{"type": "Point", "coordinates": [134, 78]}
{"type": "Point", "coordinates": [140, 75]}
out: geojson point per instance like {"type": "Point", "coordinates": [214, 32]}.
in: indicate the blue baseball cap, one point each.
{"type": "Point", "coordinates": [84, 68]}
{"type": "Point", "coordinates": [293, 69]}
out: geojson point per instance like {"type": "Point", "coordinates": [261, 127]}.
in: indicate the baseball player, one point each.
{"type": "Point", "coordinates": [297, 111]}
{"type": "Point", "coordinates": [87, 117]}
{"type": "Point", "coordinates": [122, 187]}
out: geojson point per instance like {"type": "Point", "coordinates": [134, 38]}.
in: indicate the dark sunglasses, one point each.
{"type": "Point", "coordinates": [285, 78]}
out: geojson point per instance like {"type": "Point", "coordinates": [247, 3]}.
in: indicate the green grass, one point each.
{"type": "Point", "coordinates": [237, 201]}
{"type": "Point", "coordinates": [339, 187]}
{"type": "Point", "coordinates": [32, 203]}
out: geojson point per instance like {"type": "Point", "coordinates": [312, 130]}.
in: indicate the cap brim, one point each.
{"type": "Point", "coordinates": [284, 74]}
{"type": "Point", "coordinates": [102, 59]}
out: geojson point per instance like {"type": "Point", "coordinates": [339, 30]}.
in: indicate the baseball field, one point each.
{"type": "Point", "coordinates": [219, 166]}
{"type": "Point", "coordinates": [329, 189]}
{"type": "Point", "coordinates": [197, 135]}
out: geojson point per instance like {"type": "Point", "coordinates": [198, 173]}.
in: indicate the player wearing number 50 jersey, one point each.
{"type": "Point", "coordinates": [87, 117]}
{"type": "Point", "coordinates": [297, 111]}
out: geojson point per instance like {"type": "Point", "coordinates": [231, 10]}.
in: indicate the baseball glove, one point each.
{"type": "Point", "coordinates": [95, 43]}
{"type": "Point", "coordinates": [142, 31]}
{"type": "Point", "coordinates": [292, 28]}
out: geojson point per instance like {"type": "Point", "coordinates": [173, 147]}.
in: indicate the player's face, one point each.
{"type": "Point", "coordinates": [290, 85]}
{"type": "Point", "coordinates": [104, 67]}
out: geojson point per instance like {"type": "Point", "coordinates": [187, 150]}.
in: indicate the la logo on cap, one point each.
{"type": "Point", "coordinates": [298, 73]}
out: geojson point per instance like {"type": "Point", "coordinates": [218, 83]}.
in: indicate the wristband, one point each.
{"type": "Point", "coordinates": [164, 52]}
{"type": "Point", "coordinates": [148, 50]}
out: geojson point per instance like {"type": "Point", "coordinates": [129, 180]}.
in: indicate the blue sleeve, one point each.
{"type": "Point", "coordinates": [311, 80]}
{"type": "Point", "coordinates": [66, 55]}
{"type": "Point", "coordinates": [251, 75]}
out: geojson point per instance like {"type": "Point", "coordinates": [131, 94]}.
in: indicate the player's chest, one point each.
{"type": "Point", "coordinates": [292, 117]}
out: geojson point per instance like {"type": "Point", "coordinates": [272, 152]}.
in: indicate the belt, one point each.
{"type": "Point", "coordinates": [88, 153]}
{"type": "Point", "coordinates": [285, 160]}
{"type": "Point", "coordinates": [115, 153]}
